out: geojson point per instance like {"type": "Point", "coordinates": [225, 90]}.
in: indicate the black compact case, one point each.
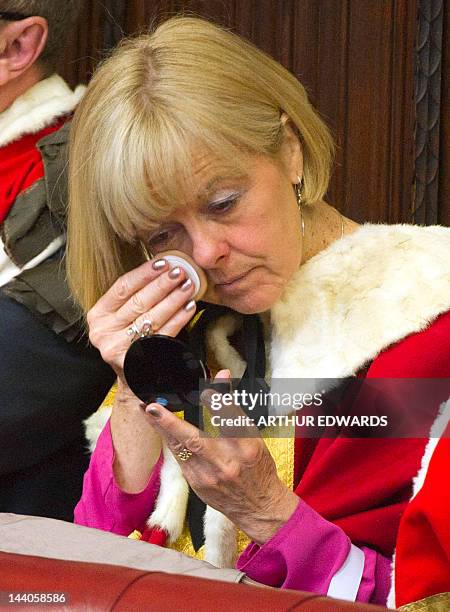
{"type": "Point", "coordinates": [163, 369]}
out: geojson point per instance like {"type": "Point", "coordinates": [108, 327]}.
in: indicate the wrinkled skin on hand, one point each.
{"type": "Point", "coordinates": [143, 294]}
{"type": "Point", "coordinates": [235, 475]}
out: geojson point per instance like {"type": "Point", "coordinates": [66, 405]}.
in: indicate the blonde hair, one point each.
{"type": "Point", "coordinates": [189, 86]}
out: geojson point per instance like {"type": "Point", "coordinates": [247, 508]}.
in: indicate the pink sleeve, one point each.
{"type": "Point", "coordinates": [103, 504]}
{"type": "Point", "coordinates": [311, 554]}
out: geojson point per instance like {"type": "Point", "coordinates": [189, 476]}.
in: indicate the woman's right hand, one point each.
{"type": "Point", "coordinates": [152, 292]}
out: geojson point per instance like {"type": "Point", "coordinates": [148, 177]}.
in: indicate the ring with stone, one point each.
{"type": "Point", "coordinates": [146, 328]}
{"type": "Point", "coordinates": [184, 454]}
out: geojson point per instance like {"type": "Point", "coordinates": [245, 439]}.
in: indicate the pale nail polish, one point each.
{"type": "Point", "coordinates": [186, 285]}
{"type": "Point", "coordinates": [159, 264]}
{"type": "Point", "coordinates": [153, 411]}
{"type": "Point", "coordinates": [190, 305]}
{"type": "Point", "coordinates": [175, 273]}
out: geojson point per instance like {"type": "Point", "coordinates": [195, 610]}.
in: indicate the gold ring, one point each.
{"type": "Point", "coordinates": [146, 328]}
{"type": "Point", "coordinates": [184, 454]}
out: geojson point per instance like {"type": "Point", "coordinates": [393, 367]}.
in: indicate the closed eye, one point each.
{"type": "Point", "coordinates": [225, 205]}
{"type": "Point", "coordinates": [160, 238]}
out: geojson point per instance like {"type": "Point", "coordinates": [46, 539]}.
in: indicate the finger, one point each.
{"type": "Point", "coordinates": [178, 433]}
{"type": "Point", "coordinates": [220, 384]}
{"type": "Point", "coordinates": [181, 318]}
{"type": "Point", "coordinates": [140, 302]}
{"type": "Point", "coordinates": [223, 375]}
{"type": "Point", "coordinates": [226, 414]}
{"type": "Point", "coordinates": [203, 461]}
{"type": "Point", "coordinates": [131, 282]}
{"type": "Point", "coordinates": [114, 341]}
{"type": "Point", "coordinates": [163, 312]}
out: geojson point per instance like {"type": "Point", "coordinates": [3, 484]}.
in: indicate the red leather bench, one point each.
{"type": "Point", "coordinates": [97, 587]}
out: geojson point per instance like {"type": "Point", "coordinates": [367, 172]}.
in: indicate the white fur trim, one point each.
{"type": "Point", "coordinates": [353, 300]}
{"type": "Point", "coordinates": [170, 514]}
{"type": "Point", "coordinates": [390, 603]}
{"type": "Point", "coordinates": [94, 426]}
{"type": "Point", "coordinates": [217, 341]}
{"type": "Point", "coordinates": [38, 108]}
{"type": "Point", "coordinates": [220, 539]}
{"type": "Point", "coordinates": [170, 509]}
{"type": "Point", "coordinates": [436, 432]}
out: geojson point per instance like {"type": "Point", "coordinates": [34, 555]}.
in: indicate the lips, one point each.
{"type": "Point", "coordinates": [232, 280]}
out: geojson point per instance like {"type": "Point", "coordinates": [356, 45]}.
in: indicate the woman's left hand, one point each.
{"type": "Point", "coordinates": [236, 476]}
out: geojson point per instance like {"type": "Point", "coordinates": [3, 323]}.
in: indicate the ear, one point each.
{"type": "Point", "coordinates": [291, 151]}
{"type": "Point", "coordinates": [21, 44]}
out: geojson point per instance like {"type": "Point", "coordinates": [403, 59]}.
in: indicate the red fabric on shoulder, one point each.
{"type": "Point", "coordinates": [422, 564]}
{"type": "Point", "coordinates": [421, 355]}
{"type": "Point", "coordinates": [364, 485]}
{"type": "Point", "coordinates": [21, 166]}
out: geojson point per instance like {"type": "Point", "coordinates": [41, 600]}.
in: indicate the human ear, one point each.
{"type": "Point", "coordinates": [21, 44]}
{"type": "Point", "coordinates": [291, 151]}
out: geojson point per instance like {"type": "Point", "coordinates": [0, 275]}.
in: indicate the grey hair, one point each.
{"type": "Point", "coordinates": [61, 16]}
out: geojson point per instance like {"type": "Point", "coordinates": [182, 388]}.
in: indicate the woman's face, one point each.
{"type": "Point", "coordinates": [244, 232]}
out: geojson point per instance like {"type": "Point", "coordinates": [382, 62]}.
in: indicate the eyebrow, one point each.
{"type": "Point", "coordinates": [218, 179]}
{"type": "Point", "coordinates": [210, 184]}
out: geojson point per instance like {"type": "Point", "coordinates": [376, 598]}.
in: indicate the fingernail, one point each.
{"type": "Point", "coordinates": [206, 397]}
{"type": "Point", "coordinates": [223, 374]}
{"type": "Point", "coordinates": [186, 285]}
{"type": "Point", "coordinates": [190, 305]}
{"type": "Point", "coordinates": [153, 411]}
{"type": "Point", "coordinates": [159, 264]}
{"type": "Point", "coordinates": [175, 273]}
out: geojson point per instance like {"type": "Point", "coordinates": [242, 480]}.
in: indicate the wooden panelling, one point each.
{"type": "Point", "coordinates": [444, 145]}
{"type": "Point", "coordinates": [401, 200]}
{"type": "Point", "coordinates": [85, 46]}
{"type": "Point", "coordinates": [428, 107]}
{"type": "Point", "coordinates": [356, 59]}
{"type": "Point", "coordinates": [378, 125]}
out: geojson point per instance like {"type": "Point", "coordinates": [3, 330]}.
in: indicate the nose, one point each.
{"type": "Point", "coordinates": [209, 245]}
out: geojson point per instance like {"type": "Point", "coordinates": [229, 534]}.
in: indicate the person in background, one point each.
{"type": "Point", "coordinates": [50, 377]}
{"type": "Point", "coordinates": [201, 143]}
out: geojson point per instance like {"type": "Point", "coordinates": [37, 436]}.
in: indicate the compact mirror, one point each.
{"type": "Point", "coordinates": [163, 369]}
{"type": "Point", "coordinates": [159, 368]}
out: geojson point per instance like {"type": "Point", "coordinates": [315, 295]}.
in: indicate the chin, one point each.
{"type": "Point", "coordinates": [249, 302]}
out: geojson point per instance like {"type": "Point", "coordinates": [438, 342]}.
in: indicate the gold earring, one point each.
{"type": "Point", "coordinates": [298, 192]}
{"type": "Point", "coordinates": [148, 254]}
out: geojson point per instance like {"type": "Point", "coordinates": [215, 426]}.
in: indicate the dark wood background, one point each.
{"type": "Point", "coordinates": [373, 68]}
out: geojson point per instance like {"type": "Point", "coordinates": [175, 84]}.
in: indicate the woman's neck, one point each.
{"type": "Point", "coordinates": [323, 224]}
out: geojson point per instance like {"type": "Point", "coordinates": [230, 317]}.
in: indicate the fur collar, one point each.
{"type": "Point", "coordinates": [38, 108]}
{"type": "Point", "coordinates": [352, 301]}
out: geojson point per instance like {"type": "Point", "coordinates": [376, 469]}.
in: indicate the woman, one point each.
{"type": "Point", "coordinates": [192, 139]}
